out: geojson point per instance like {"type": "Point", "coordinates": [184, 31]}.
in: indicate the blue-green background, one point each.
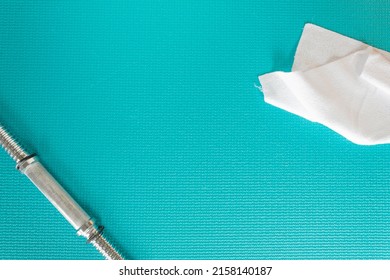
{"type": "Point", "coordinates": [147, 112]}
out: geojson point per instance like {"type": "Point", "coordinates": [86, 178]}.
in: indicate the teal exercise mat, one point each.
{"type": "Point", "coordinates": [148, 113]}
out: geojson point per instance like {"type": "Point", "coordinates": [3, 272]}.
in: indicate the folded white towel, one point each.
{"type": "Point", "coordinates": [337, 81]}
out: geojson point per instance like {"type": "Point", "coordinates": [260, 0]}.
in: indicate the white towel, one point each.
{"type": "Point", "coordinates": [337, 81]}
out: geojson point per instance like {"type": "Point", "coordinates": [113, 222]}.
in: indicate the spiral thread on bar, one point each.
{"type": "Point", "coordinates": [11, 146]}
{"type": "Point", "coordinates": [104, 247]}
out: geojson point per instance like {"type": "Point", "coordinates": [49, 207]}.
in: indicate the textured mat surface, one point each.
{"type": "Point", "coordinates": [148, 114]}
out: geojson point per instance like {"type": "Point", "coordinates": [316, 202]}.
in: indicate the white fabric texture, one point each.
{"type": "Point", "coordinates": [337, 81]}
